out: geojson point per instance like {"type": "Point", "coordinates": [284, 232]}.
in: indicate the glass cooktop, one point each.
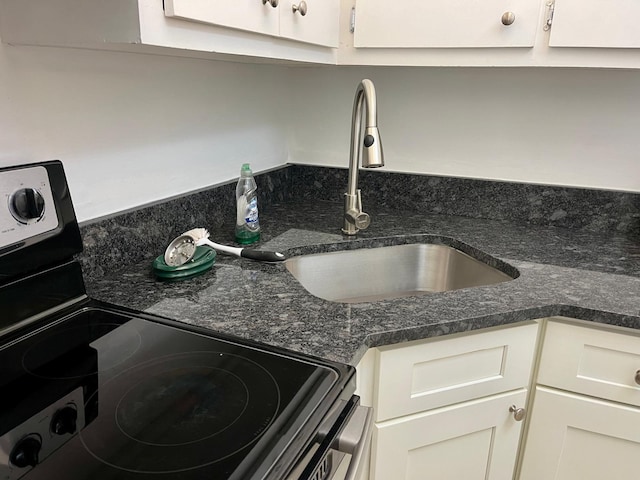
{"type": "Point", "coordinates": [104, 395]}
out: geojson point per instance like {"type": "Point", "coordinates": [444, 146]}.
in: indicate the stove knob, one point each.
{"type": "Point", "coordinates": [26, 452]}
{"type": "Point", "coordinates": [64, 421]}
{"type": "Point", "coordinates": [26, 205]}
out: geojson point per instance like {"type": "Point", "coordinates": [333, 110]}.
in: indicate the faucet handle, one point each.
{"type": "Point", "coordinates": [360, 219]}
{"type": "Point", "coordinates": [354, 221]}
{"type": "Point", "coordinates": [363, 221]}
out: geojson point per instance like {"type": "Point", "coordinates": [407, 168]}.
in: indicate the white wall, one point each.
{"type": "Point", "coordinates": [577, 127]}
{"type": "Point", "coordinates": [132, 129]}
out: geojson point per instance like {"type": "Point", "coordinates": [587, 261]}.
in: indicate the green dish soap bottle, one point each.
{"type": "Point", "coordinates": [247, 222]}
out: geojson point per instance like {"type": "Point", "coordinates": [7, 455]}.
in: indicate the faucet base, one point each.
{"type": "Point", "coordinates": [354, 218]}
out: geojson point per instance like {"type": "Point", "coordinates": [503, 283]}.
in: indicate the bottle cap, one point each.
{"type": "Point", "coordinates": [246, 168]}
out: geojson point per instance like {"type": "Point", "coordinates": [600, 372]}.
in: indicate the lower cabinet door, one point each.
{"type": "Point", "coordinates": [574, 437]}
{"type": "Point", "coordinates": [476, 440]}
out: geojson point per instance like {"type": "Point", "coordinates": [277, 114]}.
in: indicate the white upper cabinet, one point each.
{"type": "Point", "coordinates": [250, 15]}
{"type": "Point", "coordinates": [596, 24]}
{"type": "Point", "coordinates": [510, 33]}
{"type": "Point", "coordinates": [453, 23]}
{"type": "Point", "coordinates": [319, 25]}
{"type": "Point", "coordinates": [197, 28]}
{"type": "Point", "coordinates": [310, 21]}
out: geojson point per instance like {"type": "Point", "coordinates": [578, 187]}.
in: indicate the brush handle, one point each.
{"type": "Point", "coordinates": [258, 255]}
{"type": "Point", "coordinates": [221, 248]}
{"type": "Point", "coordinates": [262, 256]}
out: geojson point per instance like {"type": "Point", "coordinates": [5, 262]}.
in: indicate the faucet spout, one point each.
{"type": "Point", "coordinates": [366, 152]}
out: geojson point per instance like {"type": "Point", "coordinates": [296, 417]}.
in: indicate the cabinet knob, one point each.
{"type": "Point", "coordinates": [638, 377]}
{"type": "Point", "coordinates": [301, 8]}
{"type": "Point", "coordinates": [508, 18]}
{"type": "Point", "coordinates": [518, 413]}
{"type": "Point", "coordinates": [273, 3]}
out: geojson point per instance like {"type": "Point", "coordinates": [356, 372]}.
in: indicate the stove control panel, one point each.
{"type": "Point", "coordinates": [27, 206]}
{"type": "Point", "coordinates": [28, 444]}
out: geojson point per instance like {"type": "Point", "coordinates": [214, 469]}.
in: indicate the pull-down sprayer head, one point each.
{"type": "Point", "coordinates": [371, 146]}
{"type": "Point", "coordinates": [372, 156]}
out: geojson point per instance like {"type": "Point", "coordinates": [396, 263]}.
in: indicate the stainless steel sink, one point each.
{"type": "Point", "coordinates": [371, 274]}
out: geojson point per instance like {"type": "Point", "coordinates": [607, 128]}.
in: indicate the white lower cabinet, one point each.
{"type": "Point", "coordinates": [476, 440]}
{"type": "Point", "coordinates": [599, 362]}
{"type": "Point", "coordinates": [420, 376]}
{"type": "Point", "coordinates": [445, 407]}
{"type": "Point", "coordinates": [575, 437]}
{"type": "Point", "coordinates": [585, 421]}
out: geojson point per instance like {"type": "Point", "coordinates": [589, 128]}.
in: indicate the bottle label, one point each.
{"type": "Point", "coordinates": [251, 214]}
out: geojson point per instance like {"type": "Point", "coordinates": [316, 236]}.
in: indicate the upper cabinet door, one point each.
{"type": "Point", "coordinates": [592, 23]}
{"type": "Point", "coordinates": [319, 24]}
{"type": "Point", "coordinates": [251, 15]}
{"type": "Point", "coordinates": [310, 21]}
{"type": "Point", "coordinates": [450, 23]}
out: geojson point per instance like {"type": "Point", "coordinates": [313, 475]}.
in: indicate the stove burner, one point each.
{"type": "Point", "coordinates": [55, 356]}
{"type": "Point", "coordinates": [194, 403]}
{"type": "Point", "coordinates": [182, 402]}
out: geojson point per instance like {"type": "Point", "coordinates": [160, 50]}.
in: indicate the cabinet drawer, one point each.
{"type": "Point", "coordinates": [434, 373]}
{"type": "Point", "coordinates": [593, 361]}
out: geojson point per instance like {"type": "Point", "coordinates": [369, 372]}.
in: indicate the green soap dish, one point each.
{"type": "Point", "coordinates": [202, 261]}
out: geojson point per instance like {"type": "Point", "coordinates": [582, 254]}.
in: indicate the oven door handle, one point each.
{"type": "Point", "coordinates": [355, 439]}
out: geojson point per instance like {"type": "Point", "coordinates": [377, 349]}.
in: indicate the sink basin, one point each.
{"type": "Point", "coordinates": [371, 274]}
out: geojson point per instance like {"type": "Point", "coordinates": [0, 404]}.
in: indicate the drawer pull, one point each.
{"type": "Point", "coordinates": [638, 377]}
{"type": "Point", "coordinates": [301, 9]}
{"type": "Point", "coordinates": [273, 3]}
{"type": "Point", "coordinates": [508, 18]}
{"type": "Point", "coordinates": [518, 413]}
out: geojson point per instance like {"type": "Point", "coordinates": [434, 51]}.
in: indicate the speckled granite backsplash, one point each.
{"type": "Point", "coordinates": [593, 210]}
{"type": "Point", "coordinates": [134, 236]}
{"type": "Point", "coordinates": [120, 240]}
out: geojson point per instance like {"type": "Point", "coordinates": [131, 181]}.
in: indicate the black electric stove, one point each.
{"type": "Point", "coordinates": [90, 390]}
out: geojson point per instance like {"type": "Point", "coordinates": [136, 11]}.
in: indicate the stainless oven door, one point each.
{"type": "Point", "coordinates": [346, 432]}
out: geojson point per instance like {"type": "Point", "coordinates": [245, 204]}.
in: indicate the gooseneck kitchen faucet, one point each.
{"type": "Point", "coordinates": [369, 150]}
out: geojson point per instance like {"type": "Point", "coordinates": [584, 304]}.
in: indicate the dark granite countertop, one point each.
{"type": "Point", "coordinates": [565, 272]}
